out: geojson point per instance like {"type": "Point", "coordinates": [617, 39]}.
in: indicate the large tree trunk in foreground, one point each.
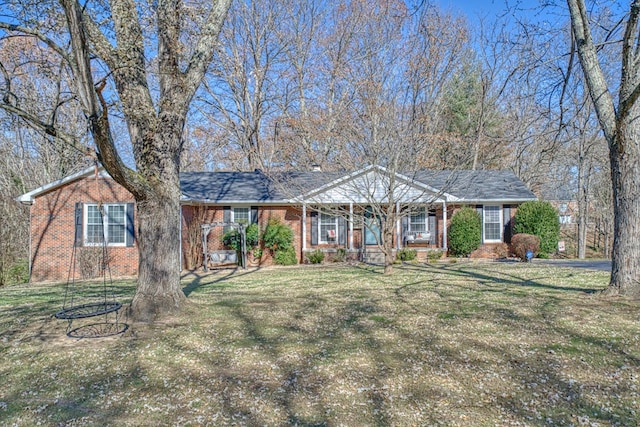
{"type": "Point", "coordinates": [159, 291]}
{"type": "Point", "coordinates": [621, 126]}
{"type": "Point", "coordinates": [625, 174]}
{"type": "Point", "coordinates": [155, 131]}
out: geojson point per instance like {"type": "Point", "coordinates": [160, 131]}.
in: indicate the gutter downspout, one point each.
{"type": "Point", "coordinates": [350, 226]}
{"type": "Point", "coordinates": [304, 227]}
{"type": "Point", "coordinates": [444, 228]}
{"type": "Point", "coordinates": [30, 204]}
{"type": "Point", "coordinates": [398, 227]}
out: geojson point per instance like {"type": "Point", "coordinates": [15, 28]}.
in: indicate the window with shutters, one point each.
{"type": "Point", "coordinates": [241, 215]}
{"type": "Point", "coordinates": [105, 222]}
{"type": "Point", "coordinates": [492, 223]}
{"type": "Point", "coordinates": [418, 221]}
{"type": "Point", "coordinates": [327, 228]}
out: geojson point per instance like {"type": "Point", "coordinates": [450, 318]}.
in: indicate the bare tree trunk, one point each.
{"type": "Point", "coordinates": [625, 175]}
{"type": "Point", "coordinates": [582, 201]}
{"type": "Point", "coordinates": [387, 244]}
{"type": "Point", "coordinates": [621, 127]}
{"type": "Point", "coordinates": [158, 290]}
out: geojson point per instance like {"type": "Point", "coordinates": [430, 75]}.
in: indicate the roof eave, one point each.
{"type": "Point", "coordinates": [29, 198]}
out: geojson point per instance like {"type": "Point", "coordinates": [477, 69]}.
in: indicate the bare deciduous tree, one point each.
{"type": "Point", "coordinates": [145, 62]}
{"type": "Point", "coordinates": [619, 117]}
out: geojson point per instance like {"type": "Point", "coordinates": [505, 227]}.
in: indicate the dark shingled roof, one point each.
{"type": "Point", "coordinates": [237, 187]}
{"type": "Point", "coordinates": [476, 185]}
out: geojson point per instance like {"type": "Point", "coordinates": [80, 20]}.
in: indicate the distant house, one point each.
{"type": "Point", "coordinates": [326, 210]}
{"type": "Point", "coordinates": [562, 197]}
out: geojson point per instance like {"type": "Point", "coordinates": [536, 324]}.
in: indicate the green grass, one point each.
{"type": "Point", "coordinates": [478, 344]}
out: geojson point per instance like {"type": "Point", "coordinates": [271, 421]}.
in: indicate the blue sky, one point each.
{"type": "Point", "coordinates": [473, 7]}
{"type": "Point", "coordinates": [536, 11]}
{"type": "Point", "coordinates": [490, 8]}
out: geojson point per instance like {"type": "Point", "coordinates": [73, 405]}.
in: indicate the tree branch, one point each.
{"type": "Point", "coordinates": [107, 152]}
{"type": "Point", "coordinates": [596, 82]}
{"type": "Point", "coordinates": [37, 34]}
{"type": "Point", "coordinates": [205, 45]}
{"type": "Point", "coordinates": [101, 45]}
{"type": "Point", "coordinates": [630, 83]}
{"type": "Point", "coordinates": [45, 128]}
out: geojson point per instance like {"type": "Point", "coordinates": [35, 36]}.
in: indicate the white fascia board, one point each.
{"type": "Point", "coordinates": [28, 198]}
{"type": "Point", "coordinates": [496, 201]}
{"type": "Point", "coordinates": [193, 202]}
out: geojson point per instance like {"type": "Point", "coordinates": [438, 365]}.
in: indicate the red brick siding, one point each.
{"type": "Point", "coordinates": [286, 214]}
{"type": "Point", "coordinates": [53, 225]}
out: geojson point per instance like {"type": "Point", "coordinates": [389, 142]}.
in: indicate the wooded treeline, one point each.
{"type": "Point", "coordinates": [339, 84]}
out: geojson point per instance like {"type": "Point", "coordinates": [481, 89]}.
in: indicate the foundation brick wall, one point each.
{"type": "Point", "coordinates": [53, 230]}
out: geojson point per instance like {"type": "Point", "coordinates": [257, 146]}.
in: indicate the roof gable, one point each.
{"type": "Point", "coordinates": [375, 183]}
{"type": "Point", "coordinates": [28, 198]}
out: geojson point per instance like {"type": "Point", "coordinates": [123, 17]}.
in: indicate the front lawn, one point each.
{"type": "Point", "coordinates": [466, 344]}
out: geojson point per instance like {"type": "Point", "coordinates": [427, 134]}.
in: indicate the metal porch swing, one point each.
{"type": "Point", "coordinates": [85, 299]}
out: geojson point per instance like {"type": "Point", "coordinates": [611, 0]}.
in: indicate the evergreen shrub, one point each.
{"type": "Point", "coordinates": [278, 238]}
{"type": "Point", "coordinates": [406, 254]}
{"type": "Point", "coordinates": [316, 257]}
{"type": "Point", "coordinates": [539, 218]}
{"type": "Point", "coordinates": [465, 232]}
{"type": "Point", "coordinates": [285, 256]}
{"type": "Point", "coordinates": [232, 238]}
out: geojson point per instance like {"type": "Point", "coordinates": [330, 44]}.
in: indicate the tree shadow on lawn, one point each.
{"type": "Point", "coordinates": [333, 359]}
{"type": "Point", "coordinates": [351, 341]}
{"type": "Point", "coordinates": [510, 279]}
{"type": "Point", "coordinates": [199, 280]}
{"type": "Point", "coordinates": [302, 352]}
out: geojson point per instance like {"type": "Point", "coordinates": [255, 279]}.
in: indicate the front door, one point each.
{"type": "Point", "coordinates": [371, 228]}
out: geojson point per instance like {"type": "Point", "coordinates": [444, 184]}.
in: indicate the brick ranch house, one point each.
{"type": "Point", "coordinates": [326, 211]}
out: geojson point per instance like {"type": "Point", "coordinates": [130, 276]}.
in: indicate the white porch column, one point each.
{"type": "Point", "coordinates": [304, 227]}
{"type": "Point", "coordinates": [350, 226]}
{"type": "Point", "coordinates": [398, 227]}
{"type": "Point", "coordinates": [444, 227]}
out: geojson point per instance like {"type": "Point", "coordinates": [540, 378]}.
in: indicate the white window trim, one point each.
{"type": "Point", "coordinates": [565, 219]}
{"type": "Point", "coordinates": [233, 213]}
{"type": "Point", "coordinates": [426, 220]}
{"type": "Point", "coordinates": [500, 212]}
{"type": "Point", "coordinates": [323, 240]}
{"type": "Point", "coordinates": [105, 221]}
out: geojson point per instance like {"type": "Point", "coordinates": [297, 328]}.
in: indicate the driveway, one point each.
{"type": "Point", "coordinates": [596, 264]}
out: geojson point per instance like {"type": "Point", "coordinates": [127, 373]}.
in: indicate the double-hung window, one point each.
{"type": "Point", "coordinates": [328, 228]}
{"type": "Point", "coordinates": [241, 215]}
{"type": "Point", "coordinates": [418, 221]}
{"type": "Point", "coordinates": [107, 222]}
{"type": "Point", "coordinates": [492, 223]}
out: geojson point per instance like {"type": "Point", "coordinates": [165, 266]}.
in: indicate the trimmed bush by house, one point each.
{"type": "Point", "coordinates": [406, 254]}
{"type": "Point", "coordinates": [316, 257]}
{"type": "Point", "coordinates": [465, 232]}
{"type": "Point", "coordinates": [285, 256]}
{"type": "Point", "coordinates": [521, 243]}
{"type": "Point", "coordinates": [340, 255]}
{"type": "Point", "coordinates": [539, 218]}
{"type": "Point", "coordinates": [278, 237]}
{"type": "Point", "coordinates": [434, 256]}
